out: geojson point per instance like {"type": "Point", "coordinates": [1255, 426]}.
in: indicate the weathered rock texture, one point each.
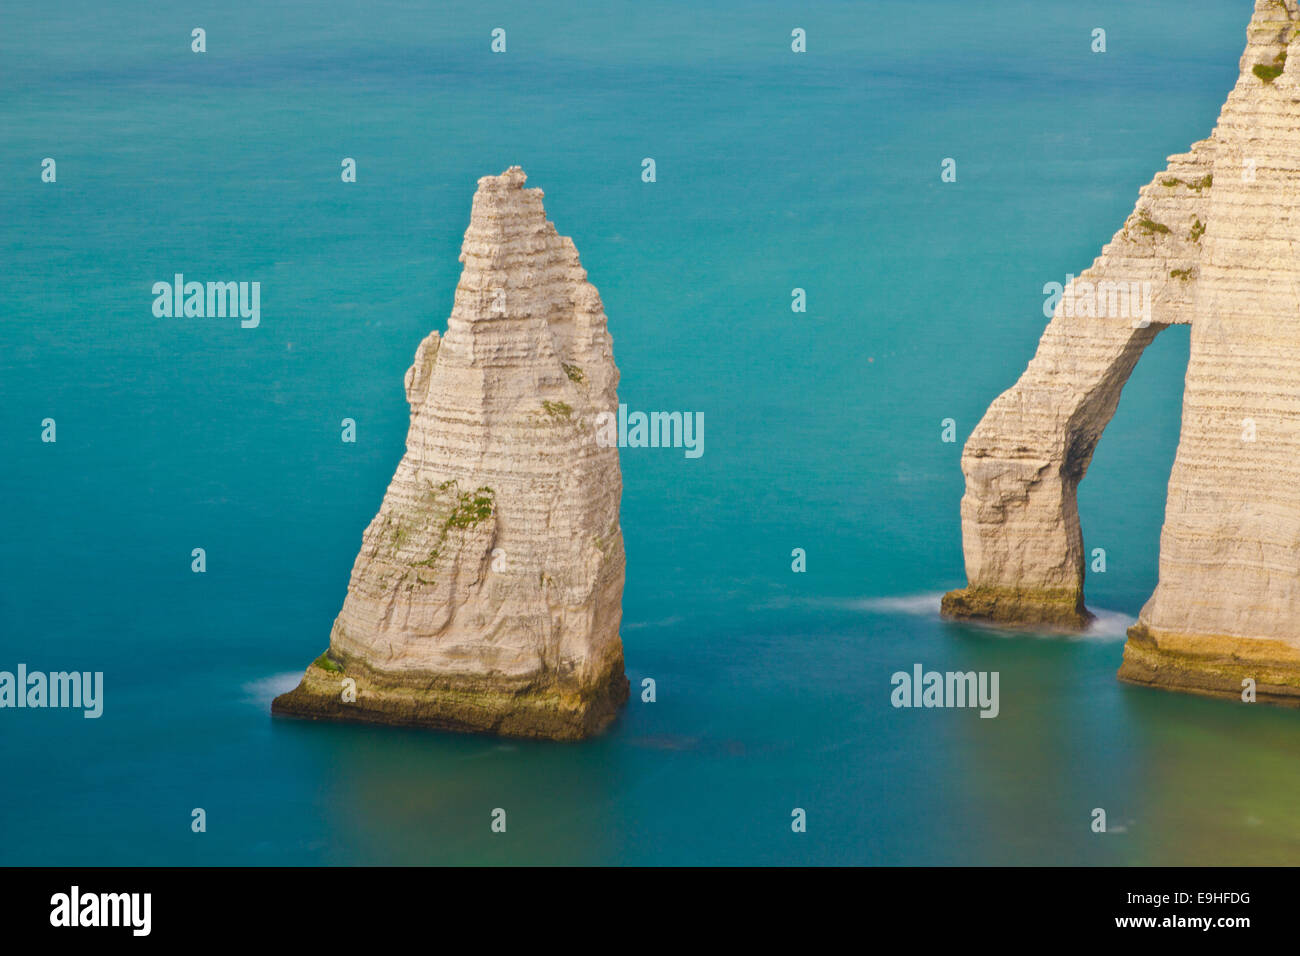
{"type": "Point", "coordinates": [488, 592]}
{"type": "Point", "coordinates": [1217, 234]}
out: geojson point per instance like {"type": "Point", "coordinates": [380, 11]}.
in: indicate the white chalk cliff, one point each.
{"type": "Point", "coordinates": [1217, 234]}
{"type": "Point", "coordinates": [487, 595]}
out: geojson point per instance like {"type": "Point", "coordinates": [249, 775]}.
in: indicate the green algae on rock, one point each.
{"type": "Point", "coordinates": [1213, 665]}
{"type": "Point", "coordinates": [551, 706]}
{"type": "Point", "coordinates": [1060, 609]}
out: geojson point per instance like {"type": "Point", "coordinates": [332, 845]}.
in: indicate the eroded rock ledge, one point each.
{"type": "Point", "coordinates": [487, 595]}
{"type": "Point", "coordinates": [1215, 234]}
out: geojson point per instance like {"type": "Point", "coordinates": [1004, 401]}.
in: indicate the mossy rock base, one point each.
{"type": "Point", "coordinates": [1213, 666]}
{"type": "Point", "coordinates": [1056, 610]}
{"type": "Point", "coordinates": [546, 708]}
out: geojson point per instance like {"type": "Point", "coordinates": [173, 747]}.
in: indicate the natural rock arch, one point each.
{"type": "Point", "coordinates": [1213, 242]}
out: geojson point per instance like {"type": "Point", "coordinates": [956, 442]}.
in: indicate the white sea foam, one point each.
{"type": "Point", "coordinates": [925, 605]}
{"type": "Point", "coordinates": [1107, 625]}
{"type": "Point", "coordinates": [263, 690]}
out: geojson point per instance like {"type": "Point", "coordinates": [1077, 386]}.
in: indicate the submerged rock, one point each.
{"type": "Point", "coordinates": [487, 595]}
{"type": "Point", "coordinates": [1214, 242]}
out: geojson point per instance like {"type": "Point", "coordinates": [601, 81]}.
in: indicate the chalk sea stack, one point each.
{"type": "Point", "coordinates": [487, 596]}
{"type": "Point", "coordinates": [1217, 236]}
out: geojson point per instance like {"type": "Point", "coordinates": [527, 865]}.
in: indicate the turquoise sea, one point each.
{"type": "Point", "coordinates": [775, 170]}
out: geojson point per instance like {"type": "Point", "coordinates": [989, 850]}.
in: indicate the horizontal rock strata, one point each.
{"type": "Point", "coordinates": [487, 595]}
{"type": "Point", "coordinates": [1216, 234]}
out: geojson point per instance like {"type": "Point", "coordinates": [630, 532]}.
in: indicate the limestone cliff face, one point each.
{"type": "Point", "coordinates": [487, 595]}
{"type": "Point", "coordinates": [1217, 236]}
